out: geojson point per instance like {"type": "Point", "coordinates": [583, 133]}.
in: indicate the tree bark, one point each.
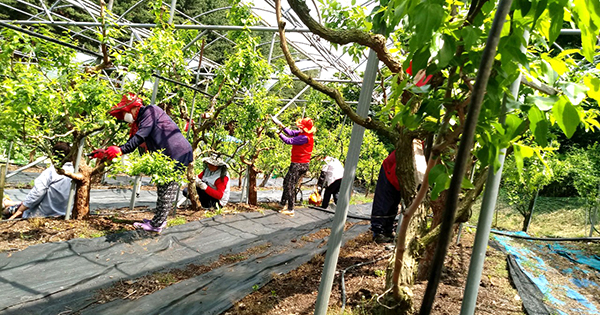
{"type": "Point", "coordinates": [266, 178]}
{"type": "Point", "coordinates": [252, 195]}
{"type": "Point", "coordinates": [192, 192]}
{"type": "Point", "coordinates": [81, 206]}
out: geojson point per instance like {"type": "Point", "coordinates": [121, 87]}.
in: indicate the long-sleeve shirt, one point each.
{"type": "Point", "coordinates": [331, 171]}
{"type": "Point", "coordinates": [297, 138]}
{"type": "Point", "coordinates": [302, 143]}
{"type": "Point", "coordinates": [159, 131]}
{"type": "Point", "coordinates": [218, 187]}
{"type": "Point", "coordinates": [49, 195]}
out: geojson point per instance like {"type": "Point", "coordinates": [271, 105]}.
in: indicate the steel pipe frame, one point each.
{"type": "Point", "coordinates": [151, 25]}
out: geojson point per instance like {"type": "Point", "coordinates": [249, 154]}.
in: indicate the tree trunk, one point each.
{"type": "Point", "coordinates": [192, 192]}
{"type": "Point", "coordinates": [252, 195]}
{"type": "Point", "coordinates": [266, 178]}
{"type": "Point", "coordinates": [81, 207]}
{"type": "Point", "coordinates": [437, 208]}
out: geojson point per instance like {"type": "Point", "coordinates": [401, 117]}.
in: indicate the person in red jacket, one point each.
{"type": "Point", "coordinates": [212, 184]}
{"type": "Point", "coordinates": [302, 146]}
{"type": "Point", "coordinates": [385, 201]}
{"type": "Point", "coordinates": [387, 194]}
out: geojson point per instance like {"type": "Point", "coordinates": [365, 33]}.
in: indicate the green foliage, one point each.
{"type": "Point", "coordinates": [161, 168]}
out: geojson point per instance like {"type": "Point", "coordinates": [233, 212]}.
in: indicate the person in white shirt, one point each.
{"type": "Point", "coordinates": [330, 179]}
{"type": "Point", "coordinates": [50, 192]}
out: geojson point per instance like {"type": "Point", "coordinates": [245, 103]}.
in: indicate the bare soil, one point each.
{"type": "Point", "coordinates": [292, 293]}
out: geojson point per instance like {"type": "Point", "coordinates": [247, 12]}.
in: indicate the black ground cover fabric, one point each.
{"type": "Point", "coordinates": [64, 277]}
{"type": "Point", "coordinates": [530, 294]}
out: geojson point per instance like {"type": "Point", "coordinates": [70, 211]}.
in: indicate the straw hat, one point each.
{"type": "Point", "coordinates": [306, 124]}
{"type": "Point", "coordinates": [129, 101]}
{"type": "Point", "coordinates": [214, 160]}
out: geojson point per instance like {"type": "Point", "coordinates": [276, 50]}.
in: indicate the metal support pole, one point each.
{"type": "Point", "coordinates": [271, 49]}
{"type": "Point", "coordinates": [73, 183]}
{"type": "Point", "coordinates": [292, 101]}
{"type": "Point", "coordinates": [341, 210]}
{"type": "Point", "coordinates": [36, 162]}
{"type": "Point", "coordinates": [134, 191]}
{"type": "Point", "coordinates": [593, 213]}
{"type": "Point", "coordinates": [4, 171]}
{"type": "Point", "coordinates": [488, 205]}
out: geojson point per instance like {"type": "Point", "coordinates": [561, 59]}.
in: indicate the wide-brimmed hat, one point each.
{"type": "Point", "coordinates": [129, 101]}
{"type": "Point", "coordinates": [214, 160]}
{"type": "Point", "coordinates": [306, 124]}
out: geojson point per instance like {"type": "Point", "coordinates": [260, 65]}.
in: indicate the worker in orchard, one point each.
{"type": "Point", "coordinates": [152, 128]}
{"type": "Point", "coordinates": [302, 143]}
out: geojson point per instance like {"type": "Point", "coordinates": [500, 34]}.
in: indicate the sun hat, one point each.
{"type": "Point", "coordinates": [306, 124]}
{"type": "Point", "coordinates": [214, 160]}
{"type": "Point", "coordinates": [129, 101]}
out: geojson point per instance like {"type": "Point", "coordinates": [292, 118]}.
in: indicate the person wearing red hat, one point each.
{"type": "Point", "coordinates": [302, 145]}
{"type": "Point", "coordinates": [152, 128]}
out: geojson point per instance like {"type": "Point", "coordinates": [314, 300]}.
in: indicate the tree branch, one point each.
{"type": "Point", "coordinates": [342, 37]}
{"type": "Point", "coordinates": [368, 122]}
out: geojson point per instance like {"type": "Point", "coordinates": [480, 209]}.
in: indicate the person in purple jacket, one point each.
{"type": "Point", "coordinates": [302, 142]}
{"type": "Point", "coordinates": [154, 130]}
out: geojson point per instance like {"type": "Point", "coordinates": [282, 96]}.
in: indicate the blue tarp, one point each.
{"type": "Point", "coordinates": [564, 273]}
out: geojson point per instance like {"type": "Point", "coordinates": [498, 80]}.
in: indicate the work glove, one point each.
{"type": "Point", "coordinates": [113, 151]}
{"type": "Point", "coordinates": [98, 154]}
{"type": "Point", "coordinates": [201, 184]}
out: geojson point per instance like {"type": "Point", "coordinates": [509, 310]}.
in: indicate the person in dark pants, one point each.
{"type": "Point", "coordinates": [302, 145]}
{"type": "Point", "coordinates": [385, 201]}
{"type": "Point", "coordinates": [152, 128]}
{"type": "Point", "coordinates": [330, 179]}
{"type": "Point", "coordinates": [212, 184]}
{"type": "Point", "coordinates": [387, 194]}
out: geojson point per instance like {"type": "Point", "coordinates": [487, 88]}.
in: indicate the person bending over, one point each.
{"type": "Point", "coordinates": [152, 128]}
{"type": "Point", "coordinates": [330, 179]}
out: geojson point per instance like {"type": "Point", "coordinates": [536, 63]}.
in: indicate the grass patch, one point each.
{"type": "Point", "coordinates": [176, 221]}
{"type": "Point", "coordinates": [360, 198]}
{"type": "Point", "coordinates": [552, 217]}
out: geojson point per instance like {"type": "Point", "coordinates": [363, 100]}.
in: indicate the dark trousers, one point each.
{"type": "Point", "coordinates": [385, 205]}
{"type": "Point", "coordinates": [294, 173]}
{"type": "Point", "coordinates": [331, 190]}
{"type": "Point", "coordinates": [206, 201]}
{"type": "Point", "coordinates": [166, 195]}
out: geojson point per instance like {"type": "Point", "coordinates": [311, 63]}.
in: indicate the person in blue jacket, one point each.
{"type": "Point", "coordinates": [152, 129]}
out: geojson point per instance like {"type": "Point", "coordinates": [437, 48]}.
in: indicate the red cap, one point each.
{"type": "Point", "coordinates": [129, 101]}
{"type": "Point", "coordinates": [306, 124]}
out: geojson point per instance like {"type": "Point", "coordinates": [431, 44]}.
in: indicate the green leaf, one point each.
{"type": "Point", "coordinates": [515, 126]}
{"type": "Point", "coordinates": [439, 180]}
{"type": "Point", "coordinates": [538, 125]}
{"type": "Point", "coordinates": [470, 36]}
{"type": "Point", "coordinates": [524, 6]}
{"type": "Point", "coordinates": [566, 116]}
{"type": "Point", "coordinates": [593, 85]}
{"type": "Point", "coordinates": [539, 9]}
{"type": "Point", "coordinates": [427, 19]}
{"type": "Point", "coordinates": [557, 12]}
{"type": "Point", "coordinates": [575, 92]}
{"type": "Point", "coordinates": [543, 103]}
{"type": "Point", "coordinates": [466, 184]}
{"type": "Point", "coordinates": [448, 51]}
